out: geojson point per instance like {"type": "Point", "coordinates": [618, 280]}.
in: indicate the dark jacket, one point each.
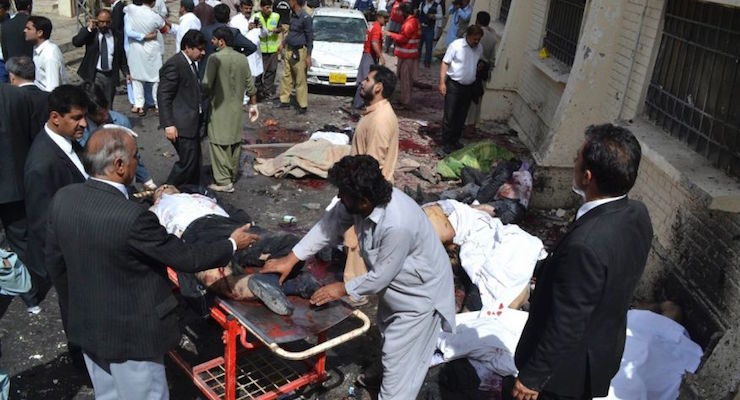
{"type": "Point", "coordinates": [47, 170]}
{"type": "Point", "coordinates": [114, 253]}
{"type": "Point", "coordinates": [88, 66]}
{"type": "Point", "coordinates": [116, 25]}
{"type": "Point", "coordinates": [179, 97]}
{"type": "Point", "coordinates": [13, 39]}
{"type": "Point", "coordinates": [574, 337]}
{"type": "Point", "coordinates": [40, 100]}
{"type": "Point", "coordinates": [16, 121]}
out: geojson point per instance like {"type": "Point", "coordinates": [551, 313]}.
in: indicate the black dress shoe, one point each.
{"type": "Point", "coordinates": [284, 105]}
{"type": "Point", "coordinates": [302, 110]}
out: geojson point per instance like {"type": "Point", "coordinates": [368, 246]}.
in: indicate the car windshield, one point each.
{"type": "Point", "coordinates": [339, 29]}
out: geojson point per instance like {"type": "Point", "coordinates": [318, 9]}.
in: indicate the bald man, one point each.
{"type": "Point", "coordinates": [114, 252]}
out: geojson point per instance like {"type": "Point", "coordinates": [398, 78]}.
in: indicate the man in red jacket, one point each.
{"type": "Point", "coordinates": [407, 51]}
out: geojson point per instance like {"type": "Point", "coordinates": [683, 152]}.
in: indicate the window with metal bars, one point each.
{"type": "Point", "coordinates": [694, 92]}
{"type": "Point", "coordinates": [563, 29]}
{"type": "Point", "coordinates": [504, 10]}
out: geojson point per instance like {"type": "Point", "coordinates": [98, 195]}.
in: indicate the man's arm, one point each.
{"type": "Point", "coordinates": [150, 240]}
{"type": "Point", "coordinates": [209, 77]}
{"type": "Point", "coordinates": [169, 81]}
{"type": "Point", "coordinates": [82, 37]}
{"type": "Point", "coordinates": [577, 288]}
{"type": "Point", "coordinates": [391, 254]}
{"type": "Point", "coordinates": [54, 259]}
{"type": "Point", "coordinates": [132, 34]}
{"type": "Point", "coordinates": [242, 44]}
{"type": "Point", "coordinates": [308, 29]}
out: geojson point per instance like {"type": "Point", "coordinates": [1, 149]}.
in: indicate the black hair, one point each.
{"type": "Point", "coordinates": [65, 97]}
{"type": "Point", "coordinates": [301, 2]}
{"type": "Point", "coordinates": [23, 5]}
{"type": "Point", "coordinates": [483, 18]}
{"type": "Point", "coordinates": [361, 177]}
{"type": "Point", "coordinates": [221, 12]}
{"type": "Point", "coordinates": [103, 11]}
{"type": "Point", "coordinates": [386, 77]}
{"type": "Point", "coordinates": [97, 100]}
{"type": "Point", "coordinates": [188, 5]}
{"type": "Point", "coordinates": [5, 4]}
{"type": "Point", "coordinates": [265, 3]}
{"type": "Point", "coordinates": [474, 30]}
{"type": "Point", "coordinates": [246, 3]}
{"type": "Point", "coordinates": [407, 8]}
{"type": "Point", "coordinates": [193, 39]}
{"type": "Point", "coordinates": [42, 24]}
{"type": "Point", "coordinates": [612, 154]}
{"type": "Point", "coordinates": [224, 33]}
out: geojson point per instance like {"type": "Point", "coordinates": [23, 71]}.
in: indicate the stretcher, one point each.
{"type": "Point", "coordinates": [256, 363]}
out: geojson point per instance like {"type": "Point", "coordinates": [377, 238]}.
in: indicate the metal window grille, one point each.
{"type": "Point", "coordinates": [695, 90]}
{"type": "Point", "coordinates": [563, 28]}
{"type": "Point", "coordinates": [504, 11]}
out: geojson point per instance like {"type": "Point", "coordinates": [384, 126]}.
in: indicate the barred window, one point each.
{"type": "Point", "coordinates": [504, 10]}
{"type": "Point", "coordinates": [563, 29]}
{"type": "Point", "coordinates": [694, 90]}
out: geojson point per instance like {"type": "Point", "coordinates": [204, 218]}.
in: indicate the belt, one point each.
{"type": "Point", "coordinates": [106, 73]}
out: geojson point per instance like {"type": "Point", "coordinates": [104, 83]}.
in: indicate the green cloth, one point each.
{"type": "Point", "coordinates": [479, 155]}
{"type": "Point", "coordinates": [226, 79]}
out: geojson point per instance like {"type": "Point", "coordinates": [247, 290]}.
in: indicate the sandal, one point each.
{"type": "Point", "coordinates": [134, 109]}
{"type": "Point", "coordinates": [142, 112]}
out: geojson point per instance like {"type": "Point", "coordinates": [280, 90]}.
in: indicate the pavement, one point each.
{"type": "Point", "coordinates": [34, 346]}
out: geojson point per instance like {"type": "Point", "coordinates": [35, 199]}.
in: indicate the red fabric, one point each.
{"type": "Point", "coordinates": [375, 34]}
{"type": "Point", "coordinates": [396, 14]}
{"type": "Point", "coordinates": [407, 41]}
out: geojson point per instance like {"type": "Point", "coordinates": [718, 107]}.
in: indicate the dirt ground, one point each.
{"type": "Point", "coordinates": [34, 347]}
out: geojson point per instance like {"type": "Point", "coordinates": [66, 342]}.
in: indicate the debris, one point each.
{"type": "Point", "coordinates": [275, 187]}
{"type": "Point", "coordinates": [36, 357]}
{"type": "Point", "coordinates": [560, 213]}
{"type": "Point", "coordinates": [312, 206]}
{"type": "Point", "coordinates": [167, 154]}
{"type": "Point", "coordinates": [270, 122]}
{"type": "Point", "coordinates": [289, 219]}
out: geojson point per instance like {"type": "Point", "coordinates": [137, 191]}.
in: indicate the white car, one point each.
{"type": "Point", "coordinates": [338, 41]}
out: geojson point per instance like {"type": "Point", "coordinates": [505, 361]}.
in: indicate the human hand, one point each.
{"type": "Point", "coordinates": [243, 238]}
{"type": "Point", "coordinates": [282, 266]}
{"type": "Point", "coordinates": [521, 392]}
{"type": "Point", "coordinates": [442, 89]}
{"type": "Point", "coordinates": [254, 113]}
{"type": "Point", "coordinates": [308, 62]}
{"type": "Point", "coordinates": [381, 60]}
{"type": "Point", "coordinates": [328, 293]}
{"type": "Point", "coordinates": [128, 78]}
{"type": "Point", "coordinates": [90, 25]}
{"type": "Point", "coordinates": [171, 133]}
{"type": "Point", "coordinates": [150, 36]}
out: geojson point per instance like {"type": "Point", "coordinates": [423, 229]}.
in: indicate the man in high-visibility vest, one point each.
{"type": "Point", "coordinates": [407, 51]}
{"type": "Point", "coordinates": [269, 43]}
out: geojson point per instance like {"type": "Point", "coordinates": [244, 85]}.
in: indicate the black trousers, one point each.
{"type": "Point", "coordinates": [457, 103]}
{"type": "Point", "coordinates": [270, 64]}
{"type": "Point", "coordinates": [187, 169]}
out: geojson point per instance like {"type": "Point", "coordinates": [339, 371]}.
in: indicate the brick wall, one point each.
{"type": "Point", "coordinates": [695, 259]}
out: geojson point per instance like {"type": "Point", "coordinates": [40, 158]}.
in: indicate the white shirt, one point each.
{"type": "Point", "coordinates": [187, 22]}
{"type": "Point", "coordinates": [66, 145]}
{"type": "Point", "coordinates": [590, 205]}
{"type": "Point", "coordinates": [239, 21]}
{"type": "Point", "coordinates": [108, 37]}
{"type": "Point", "coordinates": [49, 66]}
{"type": "Point", "coordinates": [120, 186]}
{"type": "Point", "coordinates": [463, 61]}
{"type": "Point", "coordinates": [213, 3]}
{"type": "Point", "coordinates": [255, 59]}
{"type": "Point", "coordinates": [177, 211]}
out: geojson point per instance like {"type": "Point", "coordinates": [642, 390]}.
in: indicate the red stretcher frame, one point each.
{"type": "Point", "coordinates": [233, 330]}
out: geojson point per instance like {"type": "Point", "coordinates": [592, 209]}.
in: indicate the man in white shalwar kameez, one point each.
{"type": "Point", "coordinates": [144, 57]}
{"type": "Point", "coordinates": [407, 268]}
{"type": "Point", "coordinates": [188, 21]}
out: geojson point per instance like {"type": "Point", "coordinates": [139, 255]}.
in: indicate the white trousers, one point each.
{"type": "Point", "coordinates": [128, 379]}
{"type": "Point", "coordinates": [138, 87]}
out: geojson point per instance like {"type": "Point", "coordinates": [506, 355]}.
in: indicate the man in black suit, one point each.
{"type": "Point", "coordinates": [572, 343]}
{"type": "Point", "coordinates": [52, 163]}
{"type": "Point", "coordinates": [16, 119]}
{"type": "Point", "coordinates": [103, 56]}
{"type": "Point", "coordinates": [114, 253]}
{"type": "Point", "coordinates": [22, 73]}
{"type": "Point", "coordinates": [182, 106]}
{"type": "Point", "coordinates": [116, 25]}
{"type": "Point", "coordinates": [240, 44]}
{"type": "Point", "coordinates": [12, 37]}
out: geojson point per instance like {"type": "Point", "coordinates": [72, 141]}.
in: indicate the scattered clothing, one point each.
{"type": "Point", "coordinates": [311, 157]}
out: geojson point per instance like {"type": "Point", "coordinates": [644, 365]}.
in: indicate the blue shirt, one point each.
{"type": "Point", "coordinates": [363, 5]}
{"type": "Point", "coordinates": [114, 117]}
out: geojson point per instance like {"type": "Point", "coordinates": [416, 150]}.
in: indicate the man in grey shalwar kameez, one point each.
{"type": "Point", "coordinates": [407, 268]}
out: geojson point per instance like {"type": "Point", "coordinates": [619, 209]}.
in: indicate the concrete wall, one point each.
{"type": "Point", "coordinates": [694, 208]}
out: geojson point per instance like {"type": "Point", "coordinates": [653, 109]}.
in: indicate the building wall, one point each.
{"type": "Point", "coordinates": [694, 208]}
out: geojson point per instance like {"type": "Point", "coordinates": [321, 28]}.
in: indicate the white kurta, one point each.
{"type": "Point", "coordinates": [187, 22]}
{"type": "Point", "coordinates": [144, 57]}
{"type": "Point", "coordinates": [255, 59]}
